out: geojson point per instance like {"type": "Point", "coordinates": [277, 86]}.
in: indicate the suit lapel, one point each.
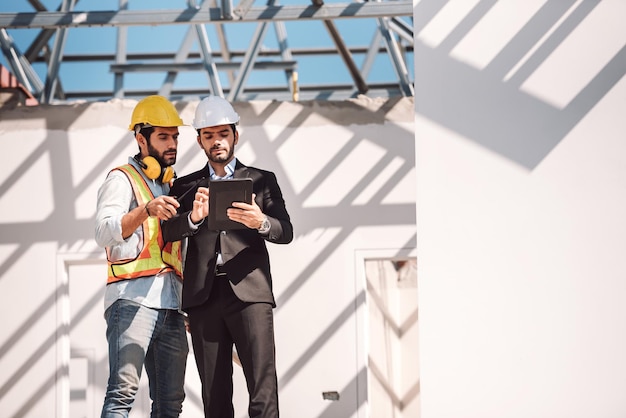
{"type": "Point", "coordinates": [241, 171]}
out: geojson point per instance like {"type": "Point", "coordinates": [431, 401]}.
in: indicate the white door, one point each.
{"type": "Point", "coordinates": [88, 365]}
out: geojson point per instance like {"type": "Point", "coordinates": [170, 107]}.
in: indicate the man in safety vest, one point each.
{"type": "Point", "coordinates": [142, 301]}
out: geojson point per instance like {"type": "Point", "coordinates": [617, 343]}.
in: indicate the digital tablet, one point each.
{"type": "Point", "coordinates": [222, 194]}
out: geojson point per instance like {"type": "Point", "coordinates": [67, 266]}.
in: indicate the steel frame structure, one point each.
{"type": "Point", "coordinates": [393, 37]}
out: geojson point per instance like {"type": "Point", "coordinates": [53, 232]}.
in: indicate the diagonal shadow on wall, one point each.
{"type": "Point", "coordinates": [63, 227]}
{"type": "Point", "coordinates": [494, 113]}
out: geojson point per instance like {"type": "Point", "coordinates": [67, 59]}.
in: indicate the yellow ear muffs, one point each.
{"type": "Point", "coordinates": [168, 175]}
{"type": "Point", "coordinates": [151, 167]}
{"type": "Point", "coordinates": [153, 170]}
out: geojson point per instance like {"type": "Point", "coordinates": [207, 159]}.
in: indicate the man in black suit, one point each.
{"type": "Point", "coordinates": [227, 287]}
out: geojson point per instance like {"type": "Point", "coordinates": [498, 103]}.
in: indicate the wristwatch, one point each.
{"type": "Point", "coordinates": [265, 226]}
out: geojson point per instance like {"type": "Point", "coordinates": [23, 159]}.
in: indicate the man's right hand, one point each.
{"type": "Point", "coordinates": [200, 208]}
{"type": "Point", "coordinates": [163, 207]}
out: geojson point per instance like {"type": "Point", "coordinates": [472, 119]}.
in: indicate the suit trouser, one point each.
{"type": "Point", "coordinates": [215, 326]}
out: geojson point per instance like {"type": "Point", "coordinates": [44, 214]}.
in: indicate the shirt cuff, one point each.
{"type": "Point", "coordinates": [192, 225]}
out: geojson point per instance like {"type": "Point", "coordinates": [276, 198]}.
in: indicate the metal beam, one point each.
{"type": "Point", "coordinates": [162, 56]}
{"type": "Point", "coordinates": [403, 29]}
{"type": "Point", "coordinates": [344, 52]}
{"type": "Point", "coordinates": [56, 58]}
{"type": "Point", "coordinates": [396, 58]}
{"type": "Point", "coordinates": [205, 51]}
{"type": "Point", "coordinates": [243, 7]}
{"type": "Point", "coordinates": [198, 66]}
{"type": "Point", "coordinates": [120, 54]}
{"type": "Point", "coordinates": [248, 61]}
{"type": "Point", "coordinates": [372, 53]}
{"type": "Point", "coordinates": [20, 66]}
{"type": "Point", "coordinates": [335, 91]}
{"type": "Point", "coordinates": [42, 38]}
{"type": "Point", "coordinates": [285, 53]}
{"type": "Point", "coordinates": [182, 55]}
{"type": "Point", "coordinates": [75, 19]}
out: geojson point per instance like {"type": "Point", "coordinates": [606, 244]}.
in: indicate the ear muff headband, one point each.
{"type": "Point", "coordinates": [153, 170]}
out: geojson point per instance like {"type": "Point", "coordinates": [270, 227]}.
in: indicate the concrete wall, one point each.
{"type": "Point", "coordinates": [521, 171]}
{"type": "Point", "coordinates": [347, 171]}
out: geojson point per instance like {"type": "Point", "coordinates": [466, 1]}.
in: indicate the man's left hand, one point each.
{"type": "Point", "coordinates": [249, 215]}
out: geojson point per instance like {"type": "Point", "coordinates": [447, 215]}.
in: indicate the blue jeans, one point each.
{"type": "Point", "coordinates": [143, 337]}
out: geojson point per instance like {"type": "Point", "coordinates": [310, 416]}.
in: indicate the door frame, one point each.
{"type": "Point", "coordinates": [362, 322]}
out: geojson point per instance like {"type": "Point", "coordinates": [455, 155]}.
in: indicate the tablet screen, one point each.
{"type": "Point", "coordinates": [222, 193]}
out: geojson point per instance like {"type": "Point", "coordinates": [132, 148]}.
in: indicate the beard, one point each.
{"type": "Point", "coordinates": [160, 157]}
{"type": "Point", "coordinates": [219, 159]}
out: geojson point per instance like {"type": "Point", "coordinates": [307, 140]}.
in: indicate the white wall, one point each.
{"type": "Point", "coordinates": [521, 203]}
{"type": "Point", "coordinates": [520, 198]}
{"type": "Point", "coordinates": [347, 172]}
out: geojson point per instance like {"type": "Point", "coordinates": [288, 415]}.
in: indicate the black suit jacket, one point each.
{"type": "Point", "coordinates": [244, 252]}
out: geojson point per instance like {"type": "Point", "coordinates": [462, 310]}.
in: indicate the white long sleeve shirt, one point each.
{"type": "Point", "coordinates": [115, 199]}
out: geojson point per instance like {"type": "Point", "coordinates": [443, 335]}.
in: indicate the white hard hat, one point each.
{"type": "Point", "coordinates": [214, 111]}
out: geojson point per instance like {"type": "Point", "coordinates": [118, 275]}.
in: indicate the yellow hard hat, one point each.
{"type": "Point", "coordinates": [155, 111]}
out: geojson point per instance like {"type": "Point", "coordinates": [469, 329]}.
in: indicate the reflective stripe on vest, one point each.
{"type": "Point", "coordinates": [155, 256]}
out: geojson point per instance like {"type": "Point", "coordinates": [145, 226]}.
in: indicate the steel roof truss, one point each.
{"type": "Point", "coordinates": [120, 54]}
{"type": "Point", "coordinates": [403, 29]}
{"type": "Point", "coordinates": [248, 60]}
{"type": "Point", "coordinates": [392, 31]}
{"type": "Point", "coordinates": [285, 53]}
{"type": "Point", "coordinates": [22, 69]}
{"type": "Point", "coordinates": [56, 57]}
{"type": "Point", "coordinates": [371, 54]}
{"type": "Point", "coordinates": [181, 56]}
{"type": "Point", "coordinates": [396, 58]}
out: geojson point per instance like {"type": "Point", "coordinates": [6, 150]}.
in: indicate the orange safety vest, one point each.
{"type": "Point", "coordinates": [155, 256]}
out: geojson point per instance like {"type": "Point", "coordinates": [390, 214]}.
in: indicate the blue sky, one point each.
{"type": "Point", "coordinates": [96, 75]}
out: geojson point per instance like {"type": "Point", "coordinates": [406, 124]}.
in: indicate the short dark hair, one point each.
{"type": "Point", "coordinates": [145, 130]}
{"type": "Point", "coordinates": [233, 126]}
